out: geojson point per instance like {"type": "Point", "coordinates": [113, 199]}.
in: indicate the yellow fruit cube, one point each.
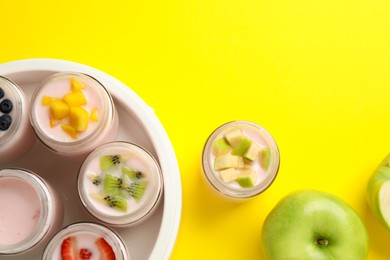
{"type": "Point", "coordinates": [46, 100]}
{"type": "Point", "coordinates": [59, 110]}
{"type": "Point", "coordinates": [75, 99]}
{"type": "Point", "coordinates": [76, 85]}
{"type": "Point", "coordinates": [78, 118]}
{"type": "Point", "coordinates": [95, 115]}
{"type": "Point", "coordinates": [69, 130]}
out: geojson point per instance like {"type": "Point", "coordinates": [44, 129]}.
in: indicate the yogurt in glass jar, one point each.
{"type": "Point", "coordinates": [86, 240]}
{"type": "Point", "coordinates": [16, 134]}
{"type": "Point", "coordinates": [73, 113]}
{"type": "Point", "coordinates": [120, 183]}
{"type": "Point", "coordinates": [240, 160]}
{"type": "Point", "coordinates": [30, 212]}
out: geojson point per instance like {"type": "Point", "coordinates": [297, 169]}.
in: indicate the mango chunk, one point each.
{"type": "Point", "coordinates": [59, 110]}
{"type": "Point", "coordinates": [69, 130]}
{"type": "Point", "coordinates": [78, 118]}
{"type": "Point", "coordinates": [95, 115]}
{"type": "Point", "coordinates": [76, 85]}
{"type": "Point", "coordinates": [75, 99]}
{"type": "Point", "coordinates": [46, 100]}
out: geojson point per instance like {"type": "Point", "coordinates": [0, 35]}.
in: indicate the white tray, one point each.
{"type": "Point", "coordinates": [152, 239]}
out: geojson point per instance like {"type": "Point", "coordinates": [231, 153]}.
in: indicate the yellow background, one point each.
{"type": "Point", "coordinates": [314, 73]}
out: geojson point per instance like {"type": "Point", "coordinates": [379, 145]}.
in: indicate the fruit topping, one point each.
{"type": "Point", "coordinates": [105, 249]}
{"type": "Point", "coordinates": [265, 157]}
{"type": "Point", "coordinates": [1, 93]}
{"type": "Point", "coordinates": [78, 118]}
{"type": "Point", "coordinates": [95, 115]}
{"type": "Point", "coordinates": [6, 106]}
{"type": "Point", "coordinates": [85, 254]}
{"type": "Point", "coordinates": [59, 109]}
{"type": "Point", "coordinates": [117, 182]}
{"type": "Point", "coordinates": [5, 122]}
{"type": "Point", "coordinates": [75, 85]}
{"type": "Point", "coordinates": [68, 251]}
{"type": "Point", "coordinates": [75, 99]}
{"type": "Point", "coordinates": [247, 178]}
{"type": "Point", "coordinates": [234, 136]}
{"type": "Point", "coordinates": [132, 174]}
{"type": "Point", "coordinates": [242, 147]}
{"type": "Point", "coordinates": [221, 147]}
{"type": "Point", "coordinates": [137, 189]}
{"type": "Point", "coordinates": [69, 111]}
{"type": "Point", "coordinates": [109, 161]}
{"type": "Point", "coordinates": [236, 155]}
{"type": "Point", "coordinates": [228, 175]}
{"type": "Point", "coordinates": [228, 161]}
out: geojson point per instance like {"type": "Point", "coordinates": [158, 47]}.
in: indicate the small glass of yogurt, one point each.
{"type": "Point", "coordinates": [240, 160]}
{"type": "Point", "coordinates": [73, 113]}
{"type": "Point", "coordinates": [16, 134]}
{"type": "Point", "coordinates": [30, 212]}
{"type": "Point", "coordinates": [120, 183]}
{"type": "Point", "coordinates": [86, 240]}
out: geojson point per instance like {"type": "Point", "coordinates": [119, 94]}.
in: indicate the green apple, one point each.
{"type": "Point", "coordinates": [314, 225]}
{"type": "Point", "coordinates": [378, 192]}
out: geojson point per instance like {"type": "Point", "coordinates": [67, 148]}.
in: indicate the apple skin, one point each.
{"type": "Point", "coordinates": [314, 225]}
{"type": "Point", "coordinates": [379, 178]}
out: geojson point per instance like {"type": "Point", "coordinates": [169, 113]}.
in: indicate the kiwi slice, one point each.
{"type": "Point", "coordinates": [113, 185]}
{"type": "Point", "coordinates": [95, 179]}
{"type": "Point", "coordinates": [109, 161]}
{"type": "Point", "coordinates": [132, 174]}
{"type": "Point", "coordinates": [137, 189]}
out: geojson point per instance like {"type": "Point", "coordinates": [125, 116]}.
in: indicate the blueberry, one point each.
{"type": "Point", "coordinates": [1, 93]}
{"type": "Point", "coordinates": [6, 106]}
{"type": "Point", "coordinates": [5, 122]}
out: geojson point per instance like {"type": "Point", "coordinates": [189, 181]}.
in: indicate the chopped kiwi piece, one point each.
{"type": "Point", "coordinates": [247, 178]}
{"type": "Point", "coordinates": [132, 174]}
{"type": "Point", "coordinates": [228, 175]}
{"type": "Point", "coordinates": [242, 147]}
{"type": "Point", "coordinates": [95, 179]}
{"type": "Point", "coordinates": [137, 189]}
{"type": "Point", "coordinates": [116, 202]}
{"type": "Point", "coordinates": [228, 161]}
{"type": "Point", "coordinates": [220, 146]}
{"type": "Point", "coordinates": [265, 157]}
{"type": "Point", "coordinates": [113, 185]}
{"type": "Point", "coordinates": [234, 136]}
{"type": "Point", "coordinates": [108, 161]}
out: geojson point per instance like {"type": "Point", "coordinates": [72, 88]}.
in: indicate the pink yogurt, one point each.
{"type": "Point", "coordinates": [30, 212]}
{"type": "Point", "coordinates": [98, 98]}
{"type": "Point", "coordinates": [136, 158]}
{"type": "Point", "coordinates": [84, 237]}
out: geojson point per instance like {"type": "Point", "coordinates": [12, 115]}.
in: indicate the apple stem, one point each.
{"type": "Point", "coordinates": [322, 242]}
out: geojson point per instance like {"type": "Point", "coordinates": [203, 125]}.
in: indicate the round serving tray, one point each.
{"type": "Point", "coordinates": [152, 239]}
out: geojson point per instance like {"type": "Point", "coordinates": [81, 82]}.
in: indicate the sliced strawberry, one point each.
{"type": "Point", "coordinates": [67, 249]}
{"type": "Point", "coordinates": [85, 254]}
{"type": "Point", "coordinates": [105, 249]}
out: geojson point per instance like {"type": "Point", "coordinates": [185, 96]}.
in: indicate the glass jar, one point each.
{"type": "Point", "coordinates": [16, 134]}
{"type": "Point", "coordinates": [240, 160]}
{"type": "Point", "coordinates": [120, 183]}
{"type": "Point", "coordinates": [30, 212]}
{"type": "Point", "coordinates": [73, 113]}
{"type": "Point", "coordinates": [91, 240]}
